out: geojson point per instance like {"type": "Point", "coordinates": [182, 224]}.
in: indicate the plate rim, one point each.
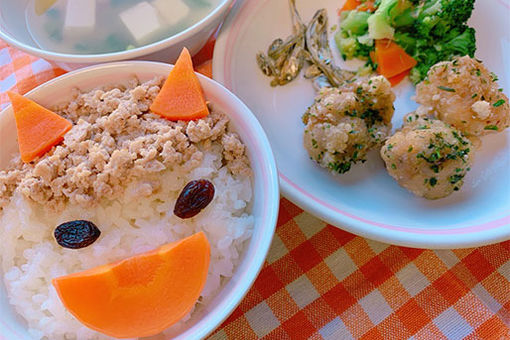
{"type": "Point", "coordinates": [465, 237]}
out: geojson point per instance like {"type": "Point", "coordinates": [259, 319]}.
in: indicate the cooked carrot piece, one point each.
{"type": "Point", "coordinates": [395, 80]}
{"type": "Point", "coordinates": [349, 5]}
{"type": "Point", "coordinates": [367, 6]}
{"type": "Point", "coordinates": [181, 97]}
{"type": "Point", "coordinates": [391, 59]}
{"type": "Point", "coordinates": [39, 129]}
{"type": "Point", "coordinates": [142, 295]}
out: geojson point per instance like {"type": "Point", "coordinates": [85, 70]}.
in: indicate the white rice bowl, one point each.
{"type": "Point", "coordinates": [136, 215]}
{"type": "Point", "coordinates": [130, 225]}
{"type": "Point", "coordinates": [28, 230]}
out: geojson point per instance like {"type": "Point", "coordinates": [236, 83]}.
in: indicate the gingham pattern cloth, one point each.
{"type": "Point", "coordinates": [319, 282]}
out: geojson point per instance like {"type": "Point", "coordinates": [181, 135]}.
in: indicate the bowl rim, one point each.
{"type": "Point", "coordinates": [215, 14]}
{"type": "Point", "coordinates": [251, 266]}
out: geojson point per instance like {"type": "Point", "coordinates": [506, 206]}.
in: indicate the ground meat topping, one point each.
{"type": "Point", "coordinates": [116, 139]}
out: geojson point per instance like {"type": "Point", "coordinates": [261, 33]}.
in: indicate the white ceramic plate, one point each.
{"type": "Point", "coordinates": [265, 183]}
{"type": "Point", "coordinates": [367, 201]}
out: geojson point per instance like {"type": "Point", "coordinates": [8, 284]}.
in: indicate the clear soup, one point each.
{"type": "Point", "coordinates": [103, 26]}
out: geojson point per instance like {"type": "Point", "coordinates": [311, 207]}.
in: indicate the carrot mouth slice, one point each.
{"type": "Point", "coordinates": [141, 295]}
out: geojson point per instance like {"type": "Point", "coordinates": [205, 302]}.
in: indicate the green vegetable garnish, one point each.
{"type": "Point", "coordinates": [499, 103]}
{"type": "Point", "coordinates": [445, 88]}
{"type": "Point", "coordinates": [455, 178]}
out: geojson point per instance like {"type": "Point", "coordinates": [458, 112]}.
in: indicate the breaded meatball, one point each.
{"type": "Point", "coordinates": [344, 123]}
{"type": "Point", "coordinates": [428, 157]}
{"type": "Point", "coordinates": [464, 94]}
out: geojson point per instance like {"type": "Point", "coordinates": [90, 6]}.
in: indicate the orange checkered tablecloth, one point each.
{"type": "Point", "coordinates": [320, 282]}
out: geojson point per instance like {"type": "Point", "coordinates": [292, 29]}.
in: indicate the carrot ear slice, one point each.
{"type": "Point", "coordinates": [39, 129]}
{"type": "Point", "coordinates": [141, 295]}
{"type": "Point", "coordinates": [181, 97]}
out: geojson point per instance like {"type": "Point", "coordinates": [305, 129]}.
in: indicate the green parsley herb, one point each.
{"type": "Point", "coordinates": [340, 167]}
{"type": "Point", "coordinates": [499, 103]}
{"type": "Point", "coordinates": [446, 88]}
{"type": "Point", "coordinates": [455, 178]}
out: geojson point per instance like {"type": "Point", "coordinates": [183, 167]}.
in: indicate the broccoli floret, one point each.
{"type": "Point", "coordinates": [461, 44]}
{"type": "Point", "coordinates": [388, 15]}
{"type": "Point", "coordinates": [354, 22]}
{"type": "Point", "coordinates": [379, 28]}
{"type": "Point", "coordinates": [346, 46]}
{"type": "Point", "coordinates": [438, 17]}
{"type": "Point", "coordinates": [418, 73]}
{"type": "Point", "coordinates": [457, 11]}
{"type": "Point", "coordinates": [461, 41]}
{"type": "Point", "coordinates": [350, 47]}
{"type": "Point", "coordinates": [407, 41]}
{"type": "Point", "coordinates": [439, 33]}
{"type": "Point", "coordinates": [352, 39]}
{"type": "Point", "coordinates": [364, 47]}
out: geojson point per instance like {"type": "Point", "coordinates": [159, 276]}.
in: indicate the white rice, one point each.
{"type": "Point", "coordinates": [31, 258]}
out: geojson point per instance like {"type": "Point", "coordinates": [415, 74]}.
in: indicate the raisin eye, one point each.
{"type": "Point", "coordinates": [194, 197]}
{"type": "Point", "coordinates": [76, 234]}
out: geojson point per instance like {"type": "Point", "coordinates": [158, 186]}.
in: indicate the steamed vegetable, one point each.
{"type": "Point", "coordinates": [349, 5]}
{"type": "Point", "coordinates": [428, 30]}
{"type": "Point", "coordinates": [181, 97]}
{"type": "Point", "coordinates": [352, 38]}
{"type": "Point", "coordinates": [438, 17]}
{"type": "Point", "coordinates": [389, 15]}
{"type": "Point", "coordinates": [429, 51]}
{"type": "Point", "coordinates": [142, 295]}
{"type": "Point", "coordinates": [391, 59]}
{"type": "Point", "coordinates": [359, 5]}
{"type": "Point", "coordinates": [38, 128]}
{"type": "Point", "coordinates": [395, 80]}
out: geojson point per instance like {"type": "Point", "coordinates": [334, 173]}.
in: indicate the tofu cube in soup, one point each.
{"type": "Point", "coordinates": [142, 21]}
{"type": "Point", "coordinates": [172, 11]}
{"type": "Point", "coordinates": [80, 17]}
